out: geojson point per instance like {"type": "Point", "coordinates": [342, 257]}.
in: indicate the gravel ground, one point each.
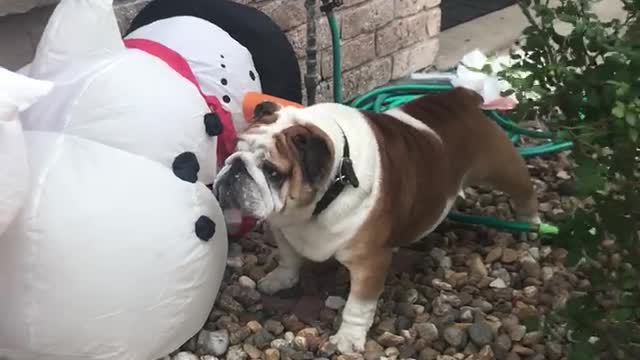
{"type": "Point", "coordinates": [462, 293]}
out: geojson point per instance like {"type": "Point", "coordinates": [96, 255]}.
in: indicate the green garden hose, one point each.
{"type": "Point", "coordinates": [337, 57]}
{"type": "Point", "coordinates": [503, 224]}
{"type": "Point", "coordinates": [388, 97]}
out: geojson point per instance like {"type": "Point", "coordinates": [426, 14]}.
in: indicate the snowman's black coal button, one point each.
{"type": "Point", "coordinates": [226, 99]}
{"type": "Point", "coordinates": [205, 228]}
{"type": "Point", "coordinates": [186, 167]}
{"type": "Point", "coordinates": [212, 124]}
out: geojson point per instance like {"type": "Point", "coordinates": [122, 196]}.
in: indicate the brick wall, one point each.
{"type": "Point", "coordinates": [382, 40]}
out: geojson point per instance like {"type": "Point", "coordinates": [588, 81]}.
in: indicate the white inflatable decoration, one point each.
{"type": "Point", "coordinates": [120, 248]}
{"type": "Point", "coordinates": [471, 73]}
{"type": "Point", "coordinates": [17, 93]}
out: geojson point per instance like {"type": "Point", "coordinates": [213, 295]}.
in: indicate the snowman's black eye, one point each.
{"type": "Point", "coordinates": [252, 75]}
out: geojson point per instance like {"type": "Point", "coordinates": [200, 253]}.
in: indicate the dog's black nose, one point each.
{"type": "Point", "coordinates": [237, 165]}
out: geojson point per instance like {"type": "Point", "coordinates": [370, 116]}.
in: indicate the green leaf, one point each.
{"type": "Point", "coordinates": [619, 110]}
{"type": "Point", "coordinates": [532, 323]}
{"type": "Point", "coordinates": [566, 18]}
{"type": "Point", "coordinates": [574, 257]}
{"type": "Point", "coordinates": [629, 300]}
{"type": "Point", "coordinates": [589, 176]}
{"type": "Point", "coordinates": [630, 280]}
{"type": "Point", "coordinates": [598, 278]}
{"type": "Point", "coordinates": [622, 314]}
{"type": "Point", "coordinates": [582, 351]}
{"type": "Point", "coordinates": [633, 134]}
{"type": "Point", "coordinates": [563, 134]}
{"type": "Point", "coordinates": [631, 118]}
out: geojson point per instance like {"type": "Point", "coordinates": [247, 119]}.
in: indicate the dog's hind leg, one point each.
{"type": "Point", "coordinates": [502, 168]}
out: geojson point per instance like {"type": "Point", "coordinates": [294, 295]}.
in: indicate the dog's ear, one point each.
{"type": "Point", "coordinates": [313, 151]}
{"type": "Point", "coordinates": [265, 112]}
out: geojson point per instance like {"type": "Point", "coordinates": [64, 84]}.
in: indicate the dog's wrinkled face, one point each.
{"type": "Point", "coordinates": [280, 164]}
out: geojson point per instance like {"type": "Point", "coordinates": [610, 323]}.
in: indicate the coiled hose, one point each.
{"type": "Point", "coordinates": [390, 96]}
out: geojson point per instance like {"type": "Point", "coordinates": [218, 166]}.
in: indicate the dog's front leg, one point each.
{"type": "Point", "coordinates": [287, 273]}
{"type": "Point", "coordinates": [368, 273]}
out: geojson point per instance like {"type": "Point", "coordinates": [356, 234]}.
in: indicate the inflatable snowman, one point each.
{"type": "Point", "coordinates": [119, 249]}
{"type": "Point", "coordinates": [232, 49]}
{"type": "Point", "coordinates": [17, 93]}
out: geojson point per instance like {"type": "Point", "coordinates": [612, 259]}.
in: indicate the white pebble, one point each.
{"type": "Point", "coordinates": [247, 282]}
{"type": "Point", "coordinates": [213, 342]}
{"type": "Point", "coordinates": [446, 263]}
{"type": "Point", "coordinates": [300, 343]}
{"type": "Point", "coordinates": [498, 284]}
{"type": "Point", "coordinates": [547, 273]}
{"type": "Point", "coordinates": [279, 344]}
{"type": "Point", "coordinates": [438, 254]}
{"type": "Point", "coordinates": [236, 353]}
{"type": "Point", "coordinates": [185, 355]}
{"type": "Point", "coordinates": [563, 175]}
{"type": "Point", "coordinates": [235, 262]}
{"type": "Point", "coordinates": [530, 291]}
{"type": "Point", "coordinates": [441, 285]}
{"type": "Point", "coordinates": [392, 352]}
{"type": "Point", "coordinates": [527, 257]}
{"type": "Point", "coordinates": [335, 302]}
{"type": "Point", "coordinates": [289, 336]}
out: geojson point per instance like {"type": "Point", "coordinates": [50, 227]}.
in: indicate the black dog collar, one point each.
{"type": "Point", "coordinates": [345, 176]}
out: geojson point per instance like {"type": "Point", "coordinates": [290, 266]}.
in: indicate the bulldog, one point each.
{"type": "Point", "coordinates": [334, 181]}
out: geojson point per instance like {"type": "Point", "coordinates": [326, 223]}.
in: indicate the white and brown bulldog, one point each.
{"type": "Point", "coordinates": [333, 181]}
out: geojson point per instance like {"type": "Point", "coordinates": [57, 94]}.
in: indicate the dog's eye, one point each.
{"type": "Point", "coordinates": [272, 173]}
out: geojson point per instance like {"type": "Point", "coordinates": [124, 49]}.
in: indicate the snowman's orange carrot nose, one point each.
{"type": "Point", "coordinates": [252, 98]}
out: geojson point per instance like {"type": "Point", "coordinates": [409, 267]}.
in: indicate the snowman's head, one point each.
{"type": "Point", "coordinates": [122, 97]}
{"type": "Point", "coordinates": [223, 67]}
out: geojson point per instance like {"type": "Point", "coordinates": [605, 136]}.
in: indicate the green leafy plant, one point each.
{"type": "Point", "coordinates": [584, 75]}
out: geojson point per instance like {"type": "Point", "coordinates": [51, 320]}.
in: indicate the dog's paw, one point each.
{"type": "Point", "coordinates": [349, 339]}
{"type": "Point", "coordinates": [278, 279]}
